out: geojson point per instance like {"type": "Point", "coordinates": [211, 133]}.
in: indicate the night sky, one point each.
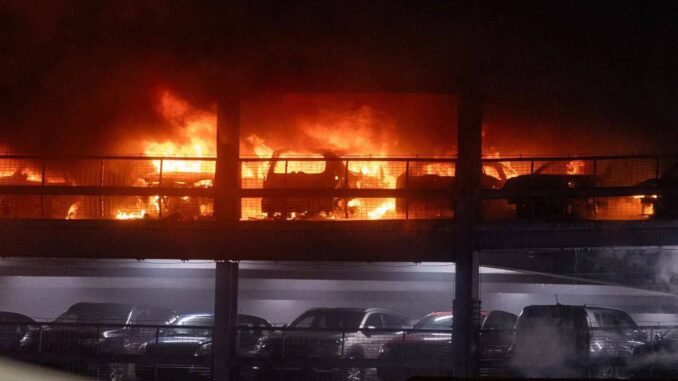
{"type": "Point", "coordinates": [560, 77]}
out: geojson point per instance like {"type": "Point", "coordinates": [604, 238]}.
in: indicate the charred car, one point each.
{"type": "Point", "coordinates": [440, 177]}
{"type": "Point", "coordinates": [567, 341]}
{"type": "Point", "coordinates": [664, 198]}
{"type": "Point", "coordinates": [551, 179]}
{"type": "Point", "coordinates": [188, 342]}
{"type": "Point", "coordinates": [178, 208]}
{"type": "Point", "coordinates": [325, 174]}
{"type": "Point", "coordinates": [427, 351]}
{"type": "Point", "coordinates": [35, 206]}
{"type": "Point", "coordinates": [329, 334]}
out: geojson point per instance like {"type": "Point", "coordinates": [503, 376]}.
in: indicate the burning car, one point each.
{"type": "Point", "coordinates": [427, 351]}
{"type": "Point", "coordinates": [35, 206]}
{"type": "Point", "coordinates": [567, 341]}
{"type": "Point", "coordinates": [311, 175]}
{"type": "Point", "coordinates": [664, 200]}
{"type": "Point", "coordinates": [441, 177]}
{"type": "Point", "coordinates": [552, 206]}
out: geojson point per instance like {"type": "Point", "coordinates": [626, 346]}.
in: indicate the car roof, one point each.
{"type": "Point", "coordinates": [14, 316]}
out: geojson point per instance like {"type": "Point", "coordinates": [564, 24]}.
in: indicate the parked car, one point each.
{"type": "Point", "coordinates": [13, 327]}
{"type": "Point", "coordinates": [188, 342]}
{"type": "Point", "coordinates": [657, 358]}
{"type": "Point", "coordinates": [91, 329]}
{"type": "Point", "coordinates": [328, 175]}
{"type": "Point", "coordinates": [330, 333]}
{"type": "Point", "coordinates": [550, 178]}
{"type": "Point", "coordinates": [441, 179]}
{"type": "Point", "coordinates": [178, 208]}
{"type": "Point", "coordinates": [427, 351]}
{"type": "Point", "coordinates": [573, 341]}
{"type": "Point", "coordinates": [664, 200]}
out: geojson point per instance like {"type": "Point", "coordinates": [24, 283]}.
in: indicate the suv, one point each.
{"type": "Point", "coordinates": [331, 333]}
{"type": "Point", "coordinates": [573, 341]}
{"type": "Point", "coordinates": [325, 174]}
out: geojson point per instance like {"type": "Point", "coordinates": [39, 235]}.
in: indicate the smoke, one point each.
{"type": "Point", "coordinates": [81, 77]}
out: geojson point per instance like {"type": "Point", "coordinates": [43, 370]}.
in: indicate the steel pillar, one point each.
{"type": "Point", "coordinates": [468, 173]}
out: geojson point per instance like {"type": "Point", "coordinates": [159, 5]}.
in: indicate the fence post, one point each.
{"type": "Point", "coordinates": [346, 185]}
{"type": "Point", "coordinates": [102, 169]}
{"type": "Point", "coordinates": [407, 189]}
{"type": "Point", "coordinates": [42, 184]}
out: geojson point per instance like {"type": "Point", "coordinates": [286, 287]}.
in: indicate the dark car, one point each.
{"type": "Point", "coordinates": [549, 178]}
{"type": "Point", "coordinates": [315, 175]}
{"type": "Point", "coordinates": [664, 200]}
{"type": "Point", "coordinates": [427, 350]}
{"type": "Point", "coordinates": [90, 329]}
{"type": "Point", "coordinates": [326, 334]}
{"type": "Point", "coordinates": [657, 358]}
{"type": "Point", "coordinates": [189, 343]}
{"type": "Point", "coordinates": [573, 341]}
{"type": "Point", "coordinates": [428, 177]}
{"type": "Point", "coordinates": [13, 327]}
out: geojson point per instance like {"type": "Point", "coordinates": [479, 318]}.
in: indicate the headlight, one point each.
{"type": "Point", "coordinates": [204, 350]}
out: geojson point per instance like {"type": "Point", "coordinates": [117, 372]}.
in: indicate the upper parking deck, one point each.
{"type": "Point", "coordinates": [327, 187]}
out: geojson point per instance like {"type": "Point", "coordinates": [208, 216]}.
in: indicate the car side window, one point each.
{"type": "Point", "coordinates": [374, 321]}
{"type": "Point", "coordinates": [305, 321]}
{"type": "Point", "coordinates": [140, 316]}
{"type": "Point", "coordinates": [161, 316]}
{"type": "Point", "coordinates": [391, 321]}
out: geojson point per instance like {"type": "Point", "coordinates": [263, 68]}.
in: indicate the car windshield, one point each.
{"type": "Point", "coordinates": [329, 319]}
{"type": "Point", "coordinates": [206, 322]}
{"type": "Point", "coordinates": [96, 313]}
{"type": "Point", "coordinates": [435, 322]}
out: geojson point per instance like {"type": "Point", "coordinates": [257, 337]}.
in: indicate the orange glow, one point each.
{"type": "Point", "coordinates": [73, 211]}
{"type": "Point", "coordinates": [575, 167]}
{"type": "Point", "coordinates": [195, 136]}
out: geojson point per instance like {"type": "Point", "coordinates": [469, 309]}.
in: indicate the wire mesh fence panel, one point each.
{"type": "Point", "coordinates": [626, 172]}
{"type": "Point", "coordinates": [18, 171]}
{"type": "Point", "coordinates": [74, 172]}
{"type": "Point", "coordinates": [16, 206]}
{"type": "Point", "coordinates": [250, 209]}
{"type": "Point", "coordinates": [129, 172]}
{"type": "Point", "coordinates": [375, 174]}
{"type": "Point", "coordinates": [252, 173]}
{"type": "Point", "coordinates": [73, 207]}
{"type": "Point", "coordinates": [132, 207]}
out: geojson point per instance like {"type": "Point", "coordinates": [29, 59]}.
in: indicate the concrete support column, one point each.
{"type": "Point", "coordinates": [224, 340]}
{"type": "Point", "coordinates": [468, 174]}
{"type": "Point", "coordinates": [226, 210]}
{"type": "Point", "coordinates": [227, 177]}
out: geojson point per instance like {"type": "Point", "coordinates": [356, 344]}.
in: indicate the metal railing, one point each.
{"type": "Point", "coordinates": [336, 188]}
{"type": "Point", "coordinates": [159, 352]}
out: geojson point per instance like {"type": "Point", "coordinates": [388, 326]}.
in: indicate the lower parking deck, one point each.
{"type": "Point", "coordinates": [44, 289]}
